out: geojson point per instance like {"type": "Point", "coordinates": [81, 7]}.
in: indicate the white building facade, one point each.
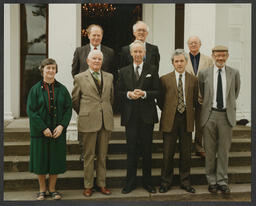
{"type": "Point", "coordinates": [226, 24]}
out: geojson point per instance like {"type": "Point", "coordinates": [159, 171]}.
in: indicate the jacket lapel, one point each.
{"type": "Point", "coordinates": [187, 82]}
{"type": "Point", "coordinates": [104, 80]}
{"type": "Point", "coordinates": [89, 77]}
{"type": "Point", "coordinates": [228, 80]}
{"type": "Point", "coordinates": [210, 74]}
{"type": "Point", "coordinates": [190, 66]}
{"type": "Point", "coordinates": [86, 52]}
{"type": "Point", "coordinates": [174, 82]}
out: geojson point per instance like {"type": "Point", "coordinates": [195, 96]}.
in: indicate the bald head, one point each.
{"type": "Point", "coordinates": [194, 44]}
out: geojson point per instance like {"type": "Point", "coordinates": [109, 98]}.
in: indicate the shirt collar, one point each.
{"type": "Point", "coordinates": [135, 65]}
{"type": "Point", "coordinates": [92, 47]}
{"type": "Point", "coordinates": [178, 74]}
{"type": "Point", "coordinates": [216, 69]}
{"type": "Point", "coordinates": [93, 71]}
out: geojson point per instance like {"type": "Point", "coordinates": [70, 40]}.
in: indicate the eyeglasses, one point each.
{"type": "Point", "coordinates": [193, 43]}
{"type": "Point", "coordinates": [141, 30]}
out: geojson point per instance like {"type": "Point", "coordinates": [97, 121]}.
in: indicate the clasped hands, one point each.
{"type": "Point", "coordinates": [136, 94]}
{"type": "Point", "coordinates": [56, 132]}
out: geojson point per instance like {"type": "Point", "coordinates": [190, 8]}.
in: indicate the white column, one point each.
{"type": "Point", "coordinates": [64, 37]}
{"type": "Point", "coordinates": [200, 20]}
{"type": "Point", "coordinates": [11, 61]}
{"type": "Point", "coordinates": [7, 63]}
{"type": "Point", "coordinates": [161, 21]}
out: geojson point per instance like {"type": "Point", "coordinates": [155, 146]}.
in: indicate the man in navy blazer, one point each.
{"type": "Point", "coordinates": [138, 87]}
{"type": "Point", "coordinates": [152, 56]}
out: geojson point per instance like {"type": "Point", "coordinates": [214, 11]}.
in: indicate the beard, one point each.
{"type": "Point", "coordinates": [220, 64]}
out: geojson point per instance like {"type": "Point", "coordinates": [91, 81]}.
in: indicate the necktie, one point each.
{"type": "Point", "coordinates": [219, 97]}
{"type": "Point", "coordinates": [137, 73]}
{"type": "Point", "coordinates": [96, 76]}
{"type": "Point", "coordinates": [181, 104]}
{"type": "Point", "coordinates": [195, 65]}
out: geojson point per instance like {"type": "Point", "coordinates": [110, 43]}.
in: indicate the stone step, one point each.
{"type": "Point", "coordinates": [118, 161]}
{"type": "Point", "coordinates": [115, 147]}
{"type": "Point", "coordinates": [239, 192]}
{"type": "Point", "coordinates": [73, 179]}
{"type": "Point", "coordinates": [22, 134]}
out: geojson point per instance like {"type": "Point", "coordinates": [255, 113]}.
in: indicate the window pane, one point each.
{"type": "Point", "coordinates": [36, 28]}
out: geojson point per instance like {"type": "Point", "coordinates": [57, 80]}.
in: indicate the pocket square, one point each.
{"type": "Point", "coordinates": [148, 75]}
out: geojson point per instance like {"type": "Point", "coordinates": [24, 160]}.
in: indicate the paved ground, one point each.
{"type": "Point", "coordinates": [241, 192]}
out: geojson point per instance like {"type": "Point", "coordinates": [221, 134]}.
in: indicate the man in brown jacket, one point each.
{"type": "Point", "coordinates": [92, 99]}
{"type": "Point", "coordinates": [177, 102]}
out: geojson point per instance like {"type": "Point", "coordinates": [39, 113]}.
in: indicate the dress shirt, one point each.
{"type": "Point", "coordinates": [92, 47]}
{"type": "Point", "coordinates": [177, 75]}
{"type": "Point", "coordinates": [98, 72]}
{"type": "Point", "coordinates": [215, 83]}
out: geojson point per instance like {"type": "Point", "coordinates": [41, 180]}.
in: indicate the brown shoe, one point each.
{"type": "Point", "coordinates": [104, 190]}
{"type": "Point", "coordinates": [87, 192]}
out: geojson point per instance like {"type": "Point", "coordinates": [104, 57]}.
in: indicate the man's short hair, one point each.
{"type": "Point", "coordinates": [178, 52]}
{"type": "Point", "coordinates": [199, 40]}
{"type": "Point", "coordinates": [45, 62]}
{"type": "Point", "coordinates": [138, 22]}
{"type": "Point", "coordinates": [137, 42]}
{"type": "Point", "coordinates": [94, 52]}
{"type": "Point", "coordinates": [219, 48]}
{"type": "Point", "coordinates": [89, 28]}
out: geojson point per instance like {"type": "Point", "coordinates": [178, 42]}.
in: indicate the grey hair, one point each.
{"type": "Point", "coordinates": [135, 25]}
{"type": "Point", "coordinates": [137, 42]}
{"type": "Point", "coordinates": [178, 52]}
{"type": "Point", "coordinates": [195, 37]}
{"type": "Point", "coordinates": [94, 52]}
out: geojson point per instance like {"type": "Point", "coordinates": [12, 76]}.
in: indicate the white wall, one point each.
{"type": "Point", "coordinates": [161, 21]}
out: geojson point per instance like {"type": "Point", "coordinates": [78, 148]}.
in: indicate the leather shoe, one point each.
{"type": "Point", "coordinates": [213, 189]}
{"type": "Point", "coordinates": [104, 190]}
{"type": "Point", "coordinates": [163, 188]}
{"type": "Point", "coordinates": [188, 188]}
{"type": "Point", "coordinates": [149, 188]}
{"type": "Point", "coordinates": [200, 154]}
{"type": "Point", "coordinates": [224, 189]}
{"type": "Point", "coordinates": [127, 190]}
{"type": "Point", "coordinates": [87, 192]}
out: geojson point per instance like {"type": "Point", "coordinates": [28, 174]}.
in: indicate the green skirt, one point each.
{"type": "Point", "coordinates": [48, 155]}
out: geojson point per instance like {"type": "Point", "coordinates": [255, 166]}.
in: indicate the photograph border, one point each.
{"type": "Point", "coordinates": [112, 203]}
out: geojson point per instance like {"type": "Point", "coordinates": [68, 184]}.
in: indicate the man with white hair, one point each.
{"type": "Point", "coordinates": [92, 99]}
{"type": "Point", "coordinates": [197, 62]}
{"type": "Point", "coordinates": [152, 56]}
{"type": "Point", "coordinates": [138, 87]}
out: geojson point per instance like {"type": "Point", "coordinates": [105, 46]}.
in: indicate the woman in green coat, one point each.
{"type": "Point", "coordinates": [49, 108]}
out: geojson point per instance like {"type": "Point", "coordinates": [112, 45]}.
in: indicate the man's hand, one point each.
{"type": "Point", "coordinates": [139, 92]}
{"type": "Point", "coordinates": [47, 132]}
{"type": "Point", "coordinates": [132, 95]}
{"type": "Point", "coordinates": [57, 131]}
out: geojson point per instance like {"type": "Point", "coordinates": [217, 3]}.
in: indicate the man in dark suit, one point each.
{"type": "Point", "coordinates": [219, 86]}
{"type": "Point", "coordinates": [95, 34]}
{"type": "Point", "coordinates": [177, 101]}
{"type": "Point", "coordinates": [152, 56]}
{"type": "Point", "coordinates": [138, 87]}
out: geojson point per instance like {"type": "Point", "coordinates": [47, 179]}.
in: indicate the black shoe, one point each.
{"type": "Point", "coordinates": [224, 189]}
{"type": "Point", "coordinates": [127, 190]}
{"type": "Point", "coordinates": [213, 189]}
{"type": "Point", "coordinates": [149, 188]}
{"type": "Point", "coordinates": [188, 188]}
{"type": "Point", "coordinates": [164, 189]}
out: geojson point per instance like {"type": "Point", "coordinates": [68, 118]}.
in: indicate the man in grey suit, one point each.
{"type": "Point", "coordinates": [92, 99]}
{"type": "Point", "coordinates": [219, 86]}
{"type": "Point", "coordinates": [95, 35]}
{"type": "Point", "coordinates": [196, 62]}
{"type": "Point", "coordinates": [152, 56]}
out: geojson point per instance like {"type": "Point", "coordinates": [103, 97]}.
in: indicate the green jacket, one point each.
{"type": "Point", "coordinates": [38, 109]}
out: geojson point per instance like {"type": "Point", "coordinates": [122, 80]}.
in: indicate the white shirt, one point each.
{"type": "Point", "coordinates": [215, 83]}
{"type": "Point", "coordinates": [92, 47]}
{"type": "Point", "coordinates": [99, 75]}
{"type": "Point", "coordinates": [177, 75]}
{"type": "Point", "coordinates": [140, 69]}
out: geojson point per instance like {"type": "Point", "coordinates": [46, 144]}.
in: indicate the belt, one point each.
{"type": "Point", "coordinates": [219, 110]}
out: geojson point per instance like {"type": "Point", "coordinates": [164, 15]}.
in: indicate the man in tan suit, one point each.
{"type": "Point", "coordinates": [92, 99]}
{"type": "Point", "coordinates": [197, 62]}
{"type": "Point", "coordinates": [177, 101]}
